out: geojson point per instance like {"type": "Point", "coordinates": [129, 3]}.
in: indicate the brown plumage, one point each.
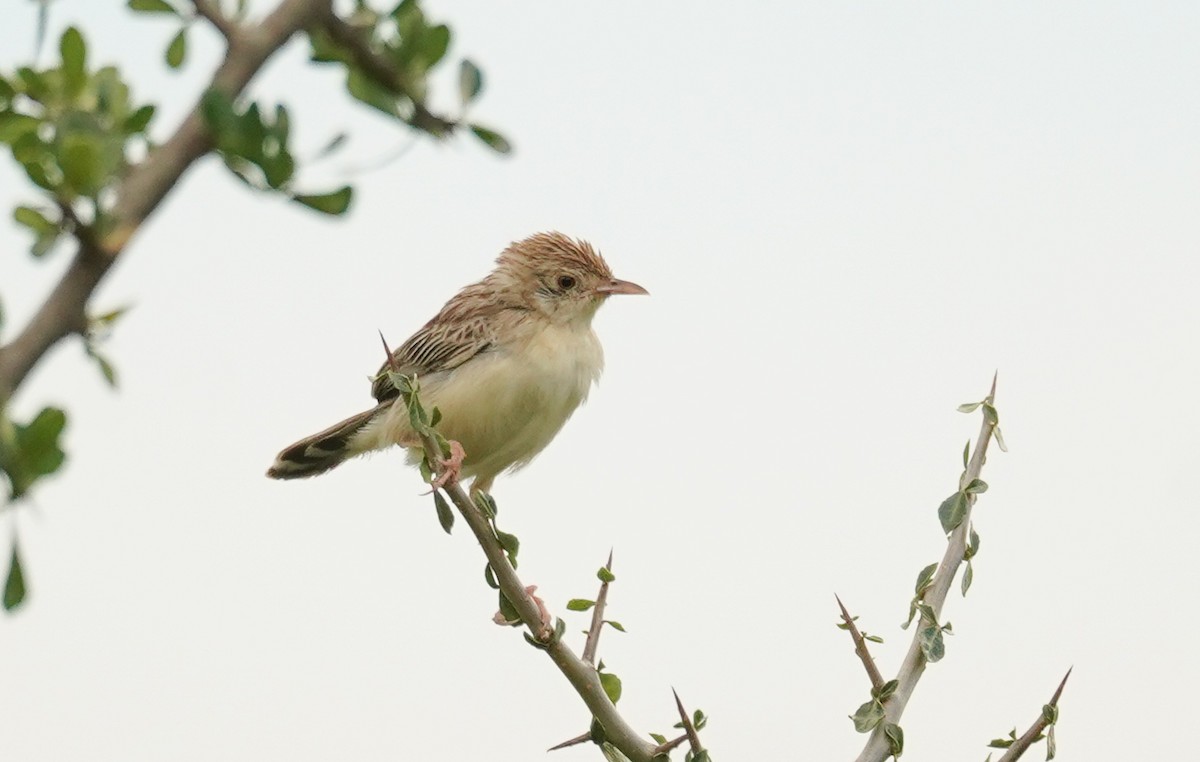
{"type": "Point", "coordinates": [507, 360]}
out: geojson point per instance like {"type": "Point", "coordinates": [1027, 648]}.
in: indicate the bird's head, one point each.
{"type": "Point", "coordinates": [563, 278]}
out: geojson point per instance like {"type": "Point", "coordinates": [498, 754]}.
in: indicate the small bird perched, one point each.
{"type": "Point", "coordinates": [506, 360]}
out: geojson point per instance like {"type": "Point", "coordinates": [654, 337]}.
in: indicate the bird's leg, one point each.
{"type": "Point", "coordinates": [450, 468]}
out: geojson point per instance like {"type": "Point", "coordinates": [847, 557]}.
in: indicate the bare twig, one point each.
{"type": "Point", "coordinates": [210, 11]}
{"type": "Point", "coordinates": [141, 191]}
{"type": "Point", "coordinates": [593, 636]}
{"type": "Point", "coordinates": [663, 748]}
{"type": "Point", "coordinates": [1022, 744]}
{"type": "Point", "coordinates": [581, 738]}
{"type": "Point", "coordinates": [860, 647]}
{"type": "Point", "coordinates": [379, 68]}
{"type": "Point", "coordinates": [878, 748]}
{"type": "Point", "coordinates": [688, 727]}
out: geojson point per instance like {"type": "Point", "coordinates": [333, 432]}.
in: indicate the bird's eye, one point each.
{"type": "Point", "coordinates": [566, 282]}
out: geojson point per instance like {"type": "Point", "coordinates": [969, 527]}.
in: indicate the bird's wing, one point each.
{"type": "Point", "coordinates": [452, 338]}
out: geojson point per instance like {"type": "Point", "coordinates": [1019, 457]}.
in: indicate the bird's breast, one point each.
{"type": "Point", "coordinates": [506, 404]}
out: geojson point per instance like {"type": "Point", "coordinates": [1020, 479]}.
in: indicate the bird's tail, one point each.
{"type": "Point", "coordinates": [322, 451]}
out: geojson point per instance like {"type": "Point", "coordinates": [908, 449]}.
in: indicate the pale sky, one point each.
{"type": "Point", "coordinates": [848, 216]}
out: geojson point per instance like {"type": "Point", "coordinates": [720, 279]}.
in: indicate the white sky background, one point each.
{"type": "Point", "coordinates": [848, 215]}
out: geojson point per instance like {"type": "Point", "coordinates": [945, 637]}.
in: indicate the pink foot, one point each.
{"type": "Point", "coordinates": [451, 467]}
{"type": "Point", "coordinates": [543, 612]}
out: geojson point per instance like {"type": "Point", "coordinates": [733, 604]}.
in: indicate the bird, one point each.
{"type": "Point", "coordinates": [507, 360]}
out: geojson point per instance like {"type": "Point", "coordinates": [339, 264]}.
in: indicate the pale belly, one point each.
{"type": "Point", "coordinates": [503, 407]}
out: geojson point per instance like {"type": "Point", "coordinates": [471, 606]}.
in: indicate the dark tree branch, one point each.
{"type": "Point", "coordinates": [355, 42]}
{"type": "Point", "coordinates": [210, 11]}
{"type": "Point", "coordinates": [141, 191]}
{"type": "Point", "coordinates": [1022, 744]}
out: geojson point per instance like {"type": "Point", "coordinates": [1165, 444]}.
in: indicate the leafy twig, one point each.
{"type": "Point", "coordinates": [1046, 719]}
{"type": "Point", "coordinates": [593, 636]}
{"type": "Point", "coordinates": [878, 747]}
{"type": "Point", "coordinates": [860, 647]}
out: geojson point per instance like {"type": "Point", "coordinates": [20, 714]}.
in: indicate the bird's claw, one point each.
{"type": "Point", "coordinates": [449, 469]}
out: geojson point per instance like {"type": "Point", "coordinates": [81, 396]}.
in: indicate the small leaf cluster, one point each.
{"type": "Point", "coordinates": [932, 634]}
{"type": "Point", "coordinates": [991, 415]}
{"type": "Point", "coordinates": [72, 130]}
{"type": "Point", "coordinates": [605, 575]}
{"type": "Point", "coordinates": [1050, 718]}
{"type": "Point", "coordinates": [871, 714]}
{"type": "Point", "coordinates": [28, 452]}
{"type": "Point", "coordinates": [255, 148]}
{"type": "Point", "coordinates": [862, 632]}
{"type": "Point", "coordinates": [402, 49]}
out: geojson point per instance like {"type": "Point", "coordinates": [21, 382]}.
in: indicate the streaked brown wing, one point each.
{"type": "Point", "coordinates": [439, 346]}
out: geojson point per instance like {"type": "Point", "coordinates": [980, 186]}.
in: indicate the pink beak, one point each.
{"type": "Point", "coordinates": [618, 286]}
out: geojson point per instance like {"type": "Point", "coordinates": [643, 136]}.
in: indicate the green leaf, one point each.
{"type": "Point", "coordinates": [444, 514]}
{"type": "Point", "coordinates": [612, 686]}
{"type": "Point", "coordinates": [976, 487]}
{"type": "Point", "coordinates": [34, 220]}
{"type": "Point", "coordinates": [74, 60]}
{"type": "Point", "coordinates": [895, 737]}
{"type": "Point", "coordinates": [1050, 713]}
{"type": "Point", "coordinates": [15, 126]}
{"type": "Point", "coordinates": [968, 577]}
{"type": "Point", "coordinates": [999, 439]}
{"type": "Point", "coordinates": [952, 511]}
{"type": "Point", "coordinates": [492, 139]}
{"type": "Point", "coordinates": [604, 575]}
{"type": "Point", "coordinates": [177, 50]}
{"type": "Point", "coordinates": [509, 542]}
{"type": "Point", "coordinates": [966, 453]}
{"type": "Point", "coordinates": [14, 584]}
{"type": "Point", "coordinates": [933, 645]}
{"type": "Point", "coordinates": [1051, 745]}
{"type": "Point", "coordinates": [509, 611]}
{"type": "Point", "coordinates": [887, 689]}
{"type": "Point", "coordinates": [659, 738]}
{"type": "Point", "coordinates": [151, 6]}
{"type": "Point", "coordinates": [33, 451]}
{"type": "Point", "coordinates": [972, 545]}
{"type": "Point", "coordinates": [485, 503]}
{"type": "Point", "coordinates": [868, 716]}
{"type": "Point", "coordinates": [334, 203]}
{"type": "Point", "coordinates": [489, 576]}
{"type": "Point", "coordinates": [925, 578]}
{"type": "Point", "coordinates": [579, 604]}
{"type": "Point", "coordinates": [106, 368]}
{"type": "Point", "coordinates": [872, 638]}
{"type": "Point", "coordinates": [990, 414]}
{"type": "Point", "coordinates": [435, 416]}
{"type": "Point", "coordinates": [969, 407]}
{"type": "Point", "coordinates": [470, 81]}
{"type": "Point", "coordinates": [83, 161]}
{"type": "Point", "coordinates": [138, 121]}
{"type": "Point", "coordinates": [615, 625]}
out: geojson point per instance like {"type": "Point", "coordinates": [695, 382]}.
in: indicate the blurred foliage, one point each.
{"type": "Point", "coordinates": [76, 131]}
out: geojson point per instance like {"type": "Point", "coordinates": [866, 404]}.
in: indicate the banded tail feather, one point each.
{"type": "Point", "coordinates": [324, 450]}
